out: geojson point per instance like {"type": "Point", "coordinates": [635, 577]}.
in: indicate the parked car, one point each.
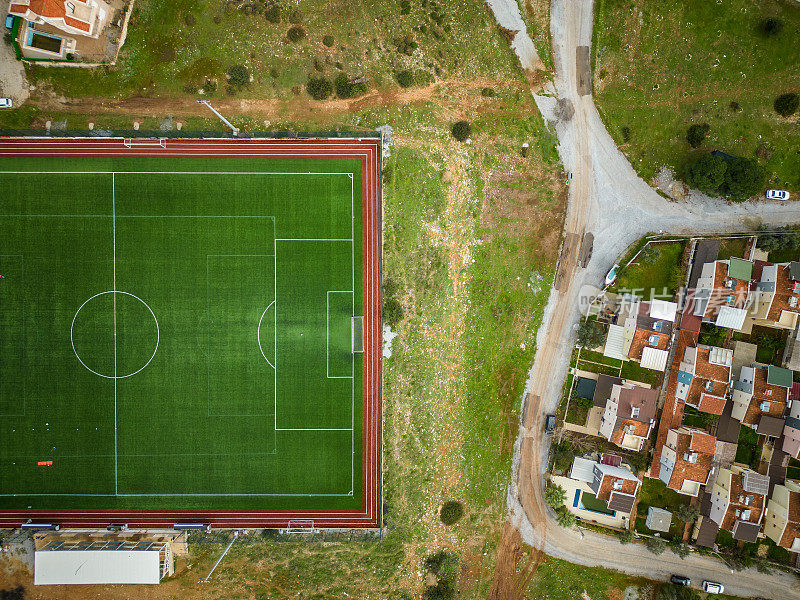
{"type": "Point", "coordinates": [712, 587]}
{"type": "Point", "coordinates": [777, 194]}
{"type": "Point", "coordinates": [6, 103]}
{"type": "Point", "coordinates": [680, 580]}
{"type": "Point", "coordinates": [550, 424]}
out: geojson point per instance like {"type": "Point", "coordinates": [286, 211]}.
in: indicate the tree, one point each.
{"type": "Point", "coordinates": [786, 104]}
{"type": "Point", "coordinates": [392, 312]}
{"type": "Point", "coordinates": [697, 133]}
{"type": "Point", "coordinates": [296, 33]}
{"type": "Point", "coordinates": [405, 78]}
{"type": "Point", "coordinates": [238, 75]}
{"type": "Point", "coordinates": [707, 173]}
{"type": "Point", "coordinates": [679, 548]}
{"type": "Point", "coordinates": [655, 545]}
{"type": "Point", "coordinates": [687, 514]}
{"type": "Point", "coordinates": [319, 88]}
{"type": "Point", "coordinates": [555, 495]}
{"type": "Point", "coordinates": [744, 178]}
{"type": "Point", "coordinates": [785, 238]}
{"type": "Point", "coordinates": [346, 89]}
{"type": "Point", "coordinates": [589, 334]}
{"type": "Point", "coordinates": [563, 456]}
{"type": "Point", "coordinates": [462, 130]}
{"type": "Point", "coordinates": [273, 13]}
{"type": "Point", "coordinates": [626, 536]}
{"type": "Point", "coordinates": [451, 512]}
{"type": "Point", "coordinates": [564, 517]}
{"type": "Point", "coordinates": [770, 27]}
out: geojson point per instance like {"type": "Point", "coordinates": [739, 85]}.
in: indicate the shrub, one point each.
{"type": "Point", "coordinates": [462, 130]}
{"type": "Point", "coordinates": [328, 41]}
{"type": "Point", "coordinates": [626, 536]}
{"type": "Point", "coordinates": [238, 75]}
{"type": "Point", "coordinates": [273, 13]}
{"type": "Point", "coordinates": [671, 591]}
{"type": "Point", "coordinates": [392, 312]}
{"type": "Point", "coordinates": [209, 86]}
{"type": "Point", "coordinates": [679, 548]}
{"type": "Point", "coordinates": [555, 495]}
{"type": "Point", "coordinates": [487, 92]}
{"type": "Point", "coordinates": [744, 178]}
{"type": "Point", "coordinates": [697, 133]}
{"type": "Point", "coordinates": [274, 72]}
{"type": "Point", "coordinates": [786, 104]}
{"type": "Point", "coordinates": [564, 517]}
{"type": "Point", "coordinates": [782, 239]}
{"type": "Point", "coordinates": [707, 173]}
{"type": "Point", "coordinates": [655, 545]}
{"type": "Point", "coordinates": [451, 512]}
{"type": "Point", "coordinates": [734, 107]}
{"type": "Point", "coordinates": [405, 78]}
{"type": "Point", "coordinates": [563, 457]}
{"type": "Point", "coordinates": [296, 17]}
{"type": "Point", "coordinates": [189, 19]}
{"type": "Point", "coordinates": [296, 33]}
{"type": "Point", "coordinates": [405, 45]}
{"type": "Point", "coordinates": [770, 27]}
{"type": "Point", "coordinates": [347, 89]}
{"type": "Point", "coordinates": [626, 133]}
{"type": "Point", "coordinates": [319, 88]}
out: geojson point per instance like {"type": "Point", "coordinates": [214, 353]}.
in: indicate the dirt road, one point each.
{"type": "Point", "coordinates": [608, 199]}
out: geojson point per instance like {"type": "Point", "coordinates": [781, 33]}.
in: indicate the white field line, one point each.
{"type": "Point", "coordinates": [114, 296]}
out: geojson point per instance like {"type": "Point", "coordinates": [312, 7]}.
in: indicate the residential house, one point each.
{"type": "Point", "coordinates": [629, 416]}
{"type": "Point", "coordinates": [704, 378]}
{"type": "Point", "coordinates": [738, 501]}
{"type": "Point", "coordinates": [782, 523]}
{"type": "Point", "coordinates": [775, 295]}
{"type": "Point", "coordinates": [760, 395]}
{"type": "Point", "coordinates": [791, 431]}
{"type": "Point", "coordinates": [642, 333]}
{"type": "Point", "coordinates": [686, 459]}
{"type": "Point", "coordinates": [75, 17]}
{"type": "Point", "coordinates": [722, 292]}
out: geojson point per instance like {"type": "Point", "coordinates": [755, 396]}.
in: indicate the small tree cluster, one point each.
{"type": "Point", "coordinates": [555, 495]}
{"type": "Point", "coordinates": [626, 536]}
{"type": "Point", "coordinates": [670, 591]}
{"type": "Point", "coordinates": [345, 88]}
{"type": "Point", "coordinates": [462, 130]}
{"type": "Point", "coordinates": [296, 17]}
{"type": "Point", "coordinates": [687, 514]}
{"type": "Point", "coordinates": [679, 548]}
{"type": "Point", "coordinates": [405, 78]}
{"type": "Point", "coordinates": [778, 240]}
{"type": "Point", "coordinates": [444, 566]}
{"type": "Point", "coordinates": [273, 13]}
{"type": "Point", "coordinates": [655, 545]}
{"type": "Point", "coordinates": [319, 88]}
{"type": "Point", "coordinates": [564, 517]}
{"type": "Point", "coordinates": [451, 512]}
{"type": "Point", "coordinates": [697, 133]}
{"type": "Point", "coordinates": [786, 104]}
{"type": "Point", "coordinates": [328, 41]}
{"type": "Point", "coordinates": [736, 178]}
{"type": "Point", "coordinates": [589, 334]}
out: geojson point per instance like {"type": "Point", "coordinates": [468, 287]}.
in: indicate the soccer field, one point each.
{"type": "Point", "coordinates": [183, 332]}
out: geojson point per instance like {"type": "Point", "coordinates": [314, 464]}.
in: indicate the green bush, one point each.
{"type": "Point", "coordinates": [707, 173]}
{"type": "Point", "coordinates": [786, 104]}
{"type": "Point", "coordinates": [392, 312]}
{"type": "Point", "coordinates": [671, 591]}
{"type": "Point", "coordinates": [555, 495]}
{"type": "Point", "coordinates": [696, 134]}
{"type": "Point", "coordinates": [238, 75]}
{"type": "Point", "coordinates": [770, 27]}
{"type": "Point", "coordinates": [345, 89]}
{"type": "Point", "coordinates": [273, 13]}
{"type": "Point", "coordinates": [462, 130]}
{"type": "Point", "coordinates": [405, 78]}
{"type": "Point", "coordinates": [564, 517]}
{"type": "Point", "coordinates": [328, 41]}
{"type": "Point", "coordinates": [296, 33]}
{"type": "Point", "coordinates": [589, 334]}
{"type": "Point", "coordinates": [655, 545]}
{"type": "Point", "coordinates": [451, 512]}
{"type": "Point", "coordinates": [319, 88]}
{"type": "Point", "coordinates": [563, 457]}
{"type": "Point", "coordinates": [686, 513]}
{"type": "Point", "coordinates": [626, 536]}
{"type": "Point", "coordinates": [487, 92]}
{"type": "Point", "coordinates": [781, 239]}
{"type": "Point", "coordinates": [444, 565]}
{"type": "Point", "coordinates": [296, 17]}
{"type": "Point", "coordinates": [736, 178]}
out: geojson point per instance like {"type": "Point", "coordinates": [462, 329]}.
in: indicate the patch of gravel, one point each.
{"type": "Point", "coordinates": [13, 83]}
{"type": "Point", "coordinates": [508, 16]}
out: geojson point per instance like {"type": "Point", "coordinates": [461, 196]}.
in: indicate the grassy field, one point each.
{"type": "Point", "coordinates": [177, 47]}
{"type": "Point", "coordinates": [661, 67]}
{"type": "Point", "coordinates": [656, 270]}
{"type": "Point", "coordinates": [120, 295]}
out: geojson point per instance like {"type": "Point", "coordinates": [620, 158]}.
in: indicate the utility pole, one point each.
{"type": "Point", "coordinates": [224, 120]}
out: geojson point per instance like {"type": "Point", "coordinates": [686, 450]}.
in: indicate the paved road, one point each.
{"type": "Point", "coordinates": [610, 200]}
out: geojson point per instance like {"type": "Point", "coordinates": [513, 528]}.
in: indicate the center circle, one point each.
{"type": "Point", "coordinates": [114, 334]}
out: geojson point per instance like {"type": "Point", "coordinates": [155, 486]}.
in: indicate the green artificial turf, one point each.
{"type": "Point", "coordinates": [164, 394]}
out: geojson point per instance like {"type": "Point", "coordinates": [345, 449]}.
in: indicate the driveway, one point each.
{"type": "Point", "coordinates": [12, 74]}
{"type": "Point", "coordinates": [608, 199]}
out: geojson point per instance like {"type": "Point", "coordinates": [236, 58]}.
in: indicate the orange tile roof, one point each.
{"type": "Point", "coordinates": [629, 486]}
{"type": "Point", "coordinates": [756, 505]}
{"type": "Point", "coordinates": [51, 9]}
{"type": "Point", "coordinates": [641, 340]}
{"type": "Point", "coordinates": [783, 291]}
{"type": "Point", "coordinates": [703, 442]}
{"type": "Point", "coordinates": [763, 391]}
{"type": "Point", "coordinates": [720, 293]}
{"type": "Point", "coordinates": [697, 471]}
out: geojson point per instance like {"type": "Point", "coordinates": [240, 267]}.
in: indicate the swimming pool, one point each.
{"type": "Point", "coordinates": [44, 41]}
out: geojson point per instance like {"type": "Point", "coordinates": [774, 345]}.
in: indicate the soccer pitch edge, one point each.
{"type": "Point", "coordinates": [367, 151]}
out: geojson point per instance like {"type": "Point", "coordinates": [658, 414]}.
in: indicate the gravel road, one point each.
{"type": "Point", "coordinates": [507, 14]}
{"type": "Point", "coordinates": [608, 199]}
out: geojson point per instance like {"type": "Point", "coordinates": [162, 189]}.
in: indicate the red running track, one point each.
{"type": "Point", "coordinates": [367, 150]}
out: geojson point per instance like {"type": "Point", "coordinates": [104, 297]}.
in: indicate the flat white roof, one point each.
{"type": "Point", "coordinates": [65, 567]}
{"type": "Point", "coordinates": [653, 358]}
{"type": "Point", "coordinates": [582, 469]}
{"type": "Point", "coordinates": [732, 318]}
{"type": "Point", "coordinates": [661, 309]}
{"type": "Point", "coordinates": [615, 343]}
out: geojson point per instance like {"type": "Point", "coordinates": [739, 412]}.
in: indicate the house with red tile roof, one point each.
{"type": "Point", "coordinates": [75, 17]}
{"type": "Point", "coordinates": [761, 391]}
{"type": "Point", "coordinates": [686, 459]}
{"type": "Point", "coordinates": [791, 431]}
{"type": "Point", "coordinates": [642, 333]}
{"type": "Point", "coordinates": [782, 524]}
{"type": "Point", "coordinates": [703, 377]}
{"type": "Point", "coordinates": [738, 502]}
{"type": "Point", "coordinates": [629, 416]}
{"type": "Point", "coordinates": [722, 292]}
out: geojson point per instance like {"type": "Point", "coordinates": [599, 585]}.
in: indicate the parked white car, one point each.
{"type": "Point", "coordinates": [777, 194]}
{"type": "Point", "coordinates": [6, 103]}
{"type": "Point", "coordinates": [712, 587]}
